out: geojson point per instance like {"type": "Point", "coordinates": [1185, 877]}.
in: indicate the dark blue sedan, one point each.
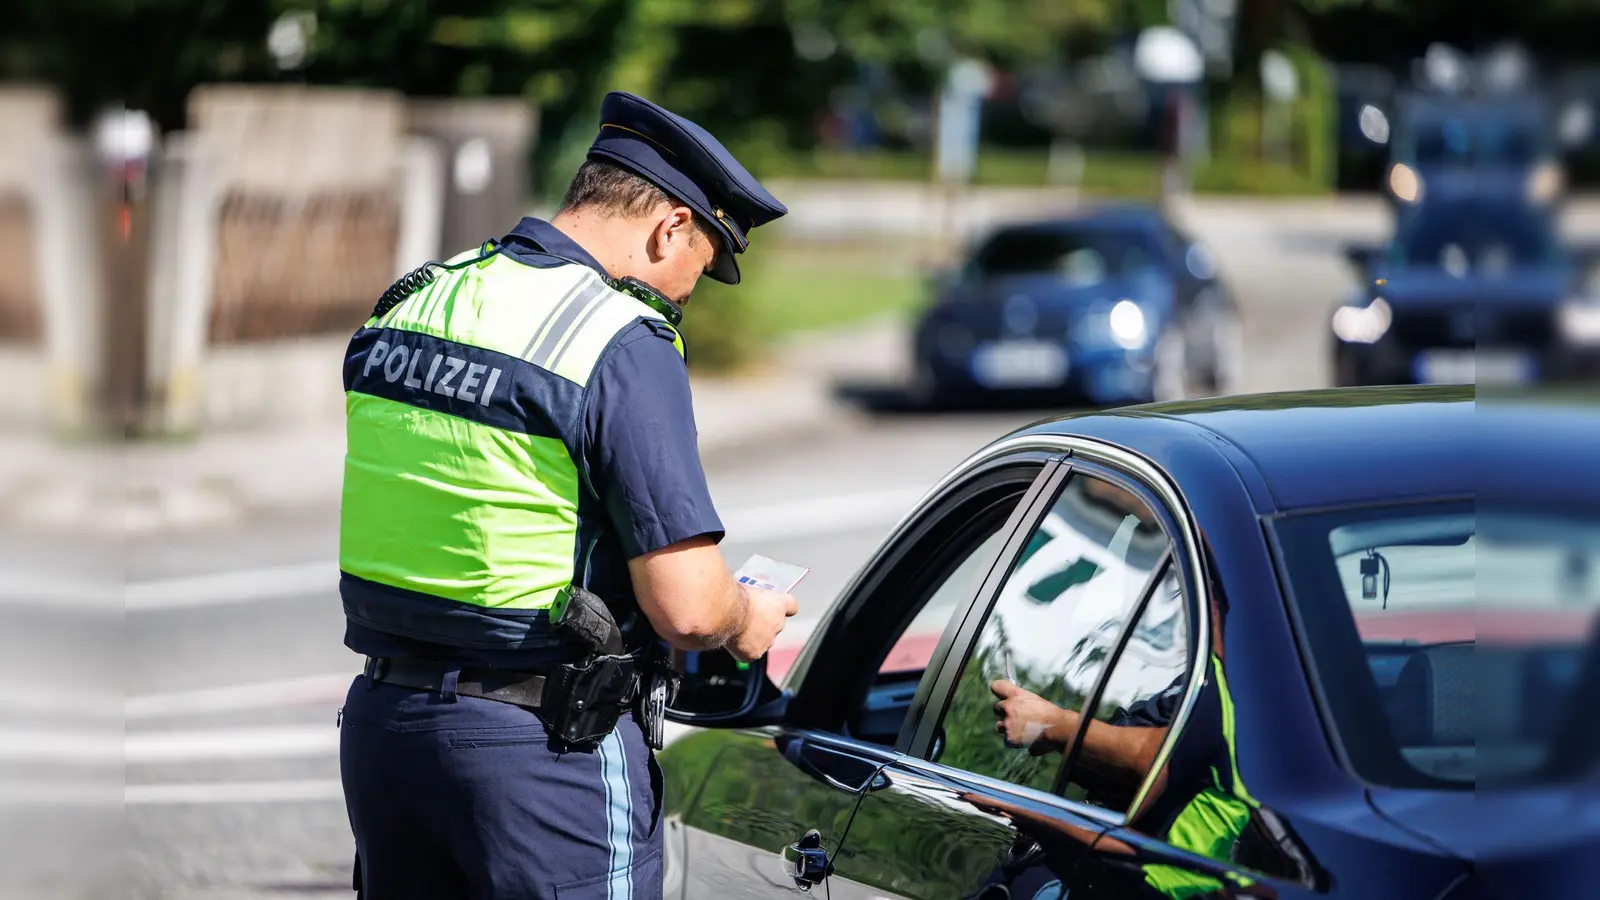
{"type": "Point", "coordinates": [1333, 643]}
{"type": "Point", "coordinates": [1110, 306]}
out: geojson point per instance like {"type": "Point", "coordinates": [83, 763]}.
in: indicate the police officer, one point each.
{"type": "Point", "coordinates": [521, 443]}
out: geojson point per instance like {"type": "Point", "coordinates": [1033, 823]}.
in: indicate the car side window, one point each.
{"type": "Point", "coordinates": [1137, 705]}
{"type": "Point", "coordinates": [912, 650]}
{"type": "Point", "coordinates": [916, 607]}
{"type": "Point", "coordinates": [1044, 644]}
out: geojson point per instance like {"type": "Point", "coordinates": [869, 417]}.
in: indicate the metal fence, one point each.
{"type": "Point", "coordinates": [20, 319]}
{"type": "Point", "coordinates": [295, 266]}
{"type": "Point", "coordinates": [309, 206]}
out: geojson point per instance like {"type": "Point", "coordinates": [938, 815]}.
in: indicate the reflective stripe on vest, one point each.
{"type": "Point", "coordinates": [459, 520]}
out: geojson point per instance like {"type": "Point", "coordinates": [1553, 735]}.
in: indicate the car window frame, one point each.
{"type": "Point", "coordinates": [1081, 468]}
{"type": "Point", "coordinates": [821, 694]}
{"type": "Point", "coordinates": [1160, 491]}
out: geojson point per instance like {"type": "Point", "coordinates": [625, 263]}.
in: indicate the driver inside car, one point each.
{"type": "Point", "coordinates": [1198, 800]}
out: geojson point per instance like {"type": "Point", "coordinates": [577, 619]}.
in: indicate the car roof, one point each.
{"type": "Point", "coordinates": [1334, 447]}
{"type": "Point", "coordinates": [1109, 216]}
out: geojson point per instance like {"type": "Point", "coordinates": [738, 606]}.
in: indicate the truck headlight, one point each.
{"type": "Point", "coordinates": [1579, 320]}
{"type": "Point", "coordinates": [1362, 324]}
{"type": "Point", "coordinates": [1405, 184]}
{"type": "Point", "coordinates": [1545, 183]}
{"type": "Point", "coordinates": [1127, 324]}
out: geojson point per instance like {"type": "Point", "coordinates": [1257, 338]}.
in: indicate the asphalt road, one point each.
{"type": "Point", "coordinates": [227, 645]}
{"type": "Point", "coordinates": [235, 665]}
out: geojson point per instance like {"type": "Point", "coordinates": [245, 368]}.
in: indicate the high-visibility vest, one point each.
{"type": "Point", "coordinates": [464, 470]}
{"type": "Point", "coordinates": [1212, 822]}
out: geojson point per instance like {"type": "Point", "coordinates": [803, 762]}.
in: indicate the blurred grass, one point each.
{"type": "Point", "coordinates": [811, 287]}
{"type": "Point", "coordinates": [790, 287]}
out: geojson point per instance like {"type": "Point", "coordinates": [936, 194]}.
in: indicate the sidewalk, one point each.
{"type": "Point", "coordinates": [227, 477]}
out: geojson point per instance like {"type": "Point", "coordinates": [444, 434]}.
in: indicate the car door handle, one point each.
{"type": "Point", "coordinates": [796, 752]}
{"type": "Point", "coordinates": [806, 861]}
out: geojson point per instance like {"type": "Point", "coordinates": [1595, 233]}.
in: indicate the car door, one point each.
{"type": "Point", "coordinates": [760, 812]}
{"type": "Point", "coordinates": [1090, 582]}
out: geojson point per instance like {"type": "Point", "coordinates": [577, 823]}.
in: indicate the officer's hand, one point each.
{"type": "Point", "coordinates": [766, 612]}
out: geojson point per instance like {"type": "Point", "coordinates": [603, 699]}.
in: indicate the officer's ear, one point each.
{"type": "Point", "coordinates": [674, 232]}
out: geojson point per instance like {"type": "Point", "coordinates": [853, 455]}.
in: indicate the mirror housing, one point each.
{"type": "Point", "coordinates": [1362, 256]}
{"type": "Point", "coordinates": [941, 278]}
{"type": "Point", "coordinates": [717, 691]}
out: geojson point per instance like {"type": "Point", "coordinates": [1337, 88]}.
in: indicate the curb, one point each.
{"type": "Point", "coordinates": [224, 480]}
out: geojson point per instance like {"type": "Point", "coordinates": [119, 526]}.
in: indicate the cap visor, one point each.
{"type": "Point", "coordinates": [726, 267]}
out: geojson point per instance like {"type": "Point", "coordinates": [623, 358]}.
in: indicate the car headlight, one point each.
{"type": "Point", "coordinates": [1127, 324]}
{"type": "Point", "coordinates": [1544, 183]}
{"type": "Point", "coordinates": [1405, 184]}
{"type": "Point", "coordinates": [1579, 320]}
{"type": "Point", "coordinates": [1362, 324]}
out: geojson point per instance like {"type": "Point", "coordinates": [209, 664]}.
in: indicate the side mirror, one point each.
{"type": "Point", "coordinates": [941, 279]}
{"type": "Point", "coordinates": [1361, 256]}
{"type": "Point", "coordinates": [716, 689]}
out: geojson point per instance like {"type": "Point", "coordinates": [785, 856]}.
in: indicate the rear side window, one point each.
{"type": "Point", "coordinates": [1051, 632]}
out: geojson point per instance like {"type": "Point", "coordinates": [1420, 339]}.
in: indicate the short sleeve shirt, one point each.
{"type": "Point", "coordinates": [641, 461]}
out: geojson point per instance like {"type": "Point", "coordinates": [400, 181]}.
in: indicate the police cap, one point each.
{"type": "Point", "coordinates": [684, 160]}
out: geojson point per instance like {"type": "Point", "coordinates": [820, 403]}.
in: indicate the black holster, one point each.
{"type": "Point", "coordinates": [584, 700]}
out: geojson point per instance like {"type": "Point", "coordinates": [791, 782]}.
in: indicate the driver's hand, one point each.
{"type": "Point", "coordinates": [1022, 718]}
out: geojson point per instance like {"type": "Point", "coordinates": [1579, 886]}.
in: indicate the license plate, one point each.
{"type": "Point", "coordinates": [1017, 364]}
{"type": "Point", "coordinates": [1473, 367]}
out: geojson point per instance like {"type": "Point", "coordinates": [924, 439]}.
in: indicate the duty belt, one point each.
{"type": "Point", "coordinates": [578, 702]}
{"type": "Point", "coordinates": [522, 689]}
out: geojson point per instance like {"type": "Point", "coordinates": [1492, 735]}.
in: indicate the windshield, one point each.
{"type": "Point", "coordinates": [1497, 138]}
{"type": "Point", "coordinates": [1453, 646]}
{"type": "Point", "coordinates": [1081, 257]}
{"type": "Point", "coordinates": [1475, 238]}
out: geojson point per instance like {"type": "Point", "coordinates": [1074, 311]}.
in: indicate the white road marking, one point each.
{"type": "Point", "coordinates": [302, 791]}
{"type": "Point", "coordinates": [287, 692]}
{"type": "Point", "coordinates": [293, 790]}
{"type": "Point", "coordinates": [61, 592]}
{"type": "Point", "coordinates": [821, 515]}
{"type": "Point", "coordinates": [240, 586]}
{"type": "Point", "coordinates": [65, 703]}
{"type": "Point", "coordinates": [56, 794]}
{"type": "Point", "coordinates": [778, 521]}
{"type": "Point", "coordinates": [282, 742]}
{"type": "Point", "coordinates": [60, 747]}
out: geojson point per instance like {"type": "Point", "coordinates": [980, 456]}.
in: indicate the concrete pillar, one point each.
{"type": "Point", "coordinates": [66, 198]}
{"type": "Point", "coordinates": [186, 189]}
{"type": "Point", "coordinates": [422, 195]}
{"type": "Point", "coordinates": [484, 145]}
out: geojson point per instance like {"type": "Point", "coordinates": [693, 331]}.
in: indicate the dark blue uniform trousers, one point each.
{"type": "Point", "coordinates": [468, 798]}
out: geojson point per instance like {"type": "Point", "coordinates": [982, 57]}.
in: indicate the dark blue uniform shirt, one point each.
{"type": "Point", "coordinates": [642, 460]}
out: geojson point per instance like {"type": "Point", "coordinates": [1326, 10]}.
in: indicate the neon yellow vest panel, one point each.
{"type": "Point", "coordinates": [463, 471]}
